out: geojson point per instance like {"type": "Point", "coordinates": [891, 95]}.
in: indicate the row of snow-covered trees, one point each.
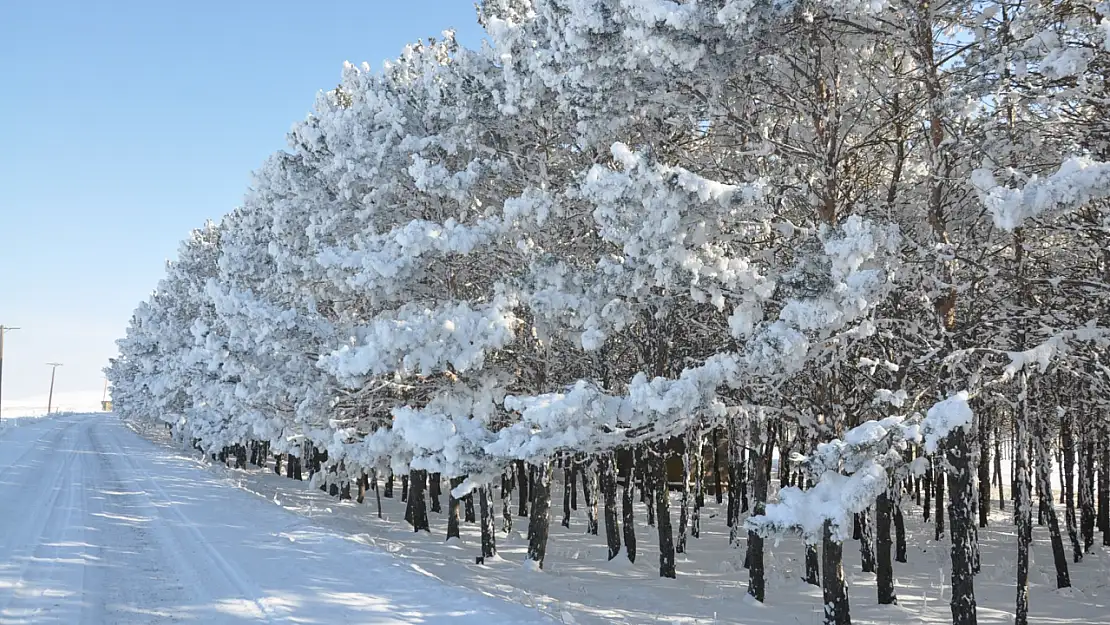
{"type": "Point", "coordinates": [867, 237]}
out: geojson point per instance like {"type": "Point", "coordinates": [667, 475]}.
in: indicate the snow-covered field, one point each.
{"type": "Point", "coordinates": [99, 526]}
{"type": "Point", "coordinates": [578, 585]}
{"type": "Point", "coordinates": [68, 401]}
{"type": "Point", "coordinates": [102, 526]}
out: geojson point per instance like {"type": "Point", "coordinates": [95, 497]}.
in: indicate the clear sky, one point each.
{"type": "Point", "coordinates": [125, 123]}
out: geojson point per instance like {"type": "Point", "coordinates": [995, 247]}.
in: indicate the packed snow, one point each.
{"type": "Point", "coordinates": [101, 526]}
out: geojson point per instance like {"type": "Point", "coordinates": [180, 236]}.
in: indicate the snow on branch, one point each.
{"type": "Point", "coordinates": [379, 261]}
{"type": "Point", "coordinates": [585, 416]}
{"type": "Point", "coordinates": [943, 418]}
{"type": "Point", "coordinates": [1078, 182]}
{"type": "Point", "coordinates": [1054, 347]}
{"type": "Point", "coordinates": [835, 498]}
{"type": "Point", "coordinates": [853, 471]}
{"type": "Point", "coordinates": [414, 339]}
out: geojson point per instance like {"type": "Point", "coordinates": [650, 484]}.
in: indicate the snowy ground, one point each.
{"type": "Point", "coordinates": [100, 526]}
{"type": "Point", "coordinates": [65, 401]}
{"type": "Point", "coordinates": [579, 586]}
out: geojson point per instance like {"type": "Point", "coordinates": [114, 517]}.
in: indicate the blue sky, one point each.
{"type": "Point", "coordinates": [126, 123]}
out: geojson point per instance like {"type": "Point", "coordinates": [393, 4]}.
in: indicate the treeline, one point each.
{"type": "Point", "coordinates": [868, 239]}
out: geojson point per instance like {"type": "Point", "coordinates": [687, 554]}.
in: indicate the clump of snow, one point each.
{"type": "Point", "coordinates": [886, 396]}
{"type": "Point", "coordinates": [944, 418]}
{"type": "Point", "coordinates": [1079, 181]}
{"type": "Point", "coordinates": [834, 499]}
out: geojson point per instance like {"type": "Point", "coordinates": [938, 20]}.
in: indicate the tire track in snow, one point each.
{"type": "Point", "coordinates": [237, 580]}
{"type": "Point", "coordinates": [142, 577]}
{"type": "Point", "coordinates": [45, 568]}
{"type": "Point", "coordinates": [25, 543]}
{"type": "Point", "coordinates": [21, 434]}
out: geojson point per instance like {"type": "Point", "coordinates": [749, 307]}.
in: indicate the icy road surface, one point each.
{"type": "Point", "coordinates": [97, 525]}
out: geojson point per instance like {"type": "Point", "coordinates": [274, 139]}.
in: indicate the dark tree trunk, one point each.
{"type": "Point", "coordinates": [408, 511]}
{"type": "Point", "coordinates": [435, 490]}
{"type": "Point", "coordinates": [784, 468]}
{"type": "Point", "coordinates": [813, 565]}
{"type": "Point", "coordinates": [833, 587]}
{"type": "Point", "coordinates": [590, 495]}
{"type": "Point", "coordinates": [539, 522]}
{"type": "Point", "coordinates": [663, 512]}
{"type": "Point", "coordinates": [377, 491]}
{"type": "Point", "coordinates": [489, 545]}
{"type": "Point", "coordinates": [418, 481]}
{"type": "Point", "coordinates": [1067, 442]}
{"type": "Point", "coordinates": [453, 509]}
{"type": "Point", "coordinates": [1086, 498]}
{"type": "Point", "coordinates": [572, 479]}
{"type": "Point", "coordinates": [1104, 489]}
{"type": "Point", "coordinates": [1014, 472]}
{"type": "Point", "coordinates": [626, 512]}
{"type": "Point", "coordinates": [743, 477]}
{"type": "Point", "coordinates": [277, 464]}
{"type": "Point", "coordinates": [938, 486]}
{"type": "Point", "coordinates": [813, 559]}
{"type": "Point", "coordinates": [911, 454]}
{"type": "Point", "coordinates": [405, 487]}
{"type": "Point", "coordinates": [866, 541]}
{"type": "Point", "coordinates": [717, 466]}
{"type": "Point", "coordinates": [388, 486]}
{"type": "Point", "coordinates": [522, 483]}
{"type": "Point", "coordinates": [506, 495]}
{"type": "Point", "coordinates": [1060, 469]}
{"type": "Point", "coordinates": [360, 495]}
{"type": "Point", "coordinates": [1041, 504]}
{"type": "Point", "coordinates": [927, 490]}
{"type": "Point", "coordinates": [699, 486]}
{"type": "Point", "coordinates": [998, 469]}
{"type": "Point", "coordinates": [1044, 475]}
{"type": "Point", "coordinates": [319, 457]}
{"type": "Point", "coordinates": [468, 508]}
{"type": "Point", "coordinates": [976, 559]}
{"type": "Point", "coordinates": [1023, 509]}
{"type": "Point", "coordinates": [732, 506]}
{"type": "Point", "coordinates": [609, 493]}
{"type": "Point", "coordinates": [568, 479]}
{"type": "Point", "coordinates": [885, 566]}
{"type": "Point", "coordinates": [961, 498]}
{"type": "Point", "coordinates": [899, 533]}
{"type": "Point", "coordinates": [757, 579]}
{"type": "Point", "coordinates": [736, 467]}
{"type": "Point", "coordinates": [684, 509]}
{"type": "Point", "coordinates": [984, 470]}
{"type": "Point", "coordinates": [649, 482]}
{"type": "Point", "coordinates": [736, 487]}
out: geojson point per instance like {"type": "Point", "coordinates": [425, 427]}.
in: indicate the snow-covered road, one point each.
{"type": "Point", "coordinates": [98, 525]}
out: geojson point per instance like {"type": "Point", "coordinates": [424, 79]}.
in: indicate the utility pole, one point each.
{"type": "Point", "coordinates": [3, 329]}
{"type": "Point", "coordinates": [50, 398]}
